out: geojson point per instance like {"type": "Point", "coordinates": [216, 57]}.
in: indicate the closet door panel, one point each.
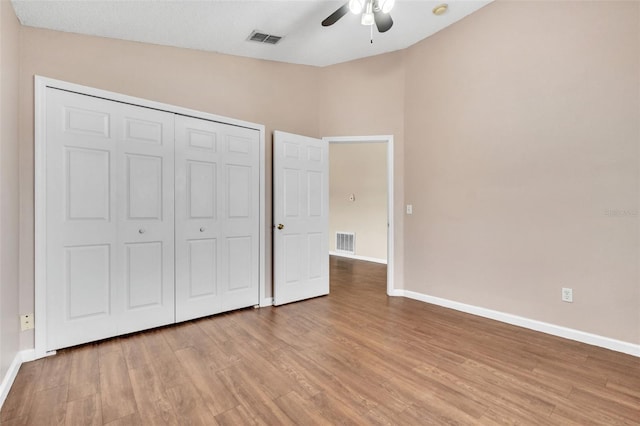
{"type": "Point", "coordinates": [217, 183]}
{"type": "Point", "coordinates": [87, 283]}
{"type": "Point", "coordinates": [239, 192]}
{"type": "Point", "coordinates": [203, 267]}
{"type": "Point", "coordinates": [81, 219]}
{"type": "Point", "coordinates": [240, 217]}
{"type": "Point", "coordinates": [198, 228]}
{"type": "Point", "coordinates": [143, 274]}
{"type": "Point", "coordinates": [202, 190]}
{"type": "Point", "coordinates": [240, 259]}
{"type": "Point", "coordinates": [87, 178]}
{"type": "Point", "coordinates": [109, 218]}
{"type": "Point", "coordinates": [145, 218]}
{"type": "Point", "coordinates": [144, 187]}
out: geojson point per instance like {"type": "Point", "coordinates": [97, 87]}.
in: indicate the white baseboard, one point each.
{"type": "Point", "coordinates": [358, 257]}
{"type": "Point", "coordinates": [267, 301]}
{"type": "Point", "coordinates": [30, 355]}
{"type": "Point", "coordinates": [555, 330]}
{"type": "Point", "coordinates": [9, 377]}
{"type": "Point", "coordinates": [12, 372]}
{"type": "Point", "coordinates": [396, 292]}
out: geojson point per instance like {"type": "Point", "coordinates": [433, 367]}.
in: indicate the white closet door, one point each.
{"type": "Point", "coordinates": [217, 223]}
{"type": "Point", "coordinates": [145, 186]}
{"type": "Point", "coordinates": [109, 176]}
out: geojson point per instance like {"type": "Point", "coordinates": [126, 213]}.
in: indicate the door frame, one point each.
{"type": "Point", "coordinates": [388, 139]}
{"type": "Point", "coordinates": [40, 203]}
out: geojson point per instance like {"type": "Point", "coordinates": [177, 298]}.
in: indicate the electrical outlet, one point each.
{"type": "Point", "coordinates": [26, 322]}
{"type": "Point", "coordinates": [567, 294]}
{"type": "Point", "coordinates": [409, 209]}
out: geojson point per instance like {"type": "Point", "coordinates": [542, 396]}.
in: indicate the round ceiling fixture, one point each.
{"type": "Point", "coordinates": [439, 10]}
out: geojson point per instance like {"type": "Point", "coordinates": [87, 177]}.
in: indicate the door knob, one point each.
{"type": "Point", "coordinates": [280, 226]}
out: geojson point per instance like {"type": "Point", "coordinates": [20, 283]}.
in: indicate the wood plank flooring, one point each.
{"type": "Point", "coordinates": [353, 357]}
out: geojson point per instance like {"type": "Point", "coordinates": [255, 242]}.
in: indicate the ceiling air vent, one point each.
{"type": "Point", "coordinates": [263, 38]}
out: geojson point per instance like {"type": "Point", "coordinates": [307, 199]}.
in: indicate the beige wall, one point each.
{"type": "Point", "coordinates": [521, 162]}
{"type": "Point", "coordinates": [280, 96]}
{"type": "Point", "coordinates": [359, 169]}
{"type": "Point", "coordinates": [366, 97]}
{"type": "Point", "coordinates": [9, 325]}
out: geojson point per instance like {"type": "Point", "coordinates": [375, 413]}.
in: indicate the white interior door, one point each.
{"type": "Point", "coordinates": [109, 218]}
{"type": "Point", "coordinates": [217, 224]}
{"type": "Point", "coordinates": [301, 217]}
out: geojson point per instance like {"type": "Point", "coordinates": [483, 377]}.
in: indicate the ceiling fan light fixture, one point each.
{"type": "Point", "coordinates": [386, 5]}
{"type": "Point", "coordinates": [356, 6]}
{"type": "Point", "coordinates": [371, 13]}
{"type": "Point", "coordinates": [367, 16]}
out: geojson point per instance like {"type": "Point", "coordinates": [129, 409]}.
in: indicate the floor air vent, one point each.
{"type": "Point", "coordinates": [345, 242]}
{"type": "Point", "coordinates": [263, 38]}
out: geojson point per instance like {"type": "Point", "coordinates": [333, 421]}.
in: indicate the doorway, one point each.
{"type": "Point", "coordinates": [351, 204]}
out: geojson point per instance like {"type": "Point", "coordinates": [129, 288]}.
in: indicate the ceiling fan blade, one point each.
{"type": "Point", "coordinates": [335, 16]}
{"type": "Point", "coordinates": [383, 21]}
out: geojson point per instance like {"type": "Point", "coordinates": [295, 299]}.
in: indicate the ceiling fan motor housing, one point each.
{"type": "Point", "coordinates": [373, 11]}
{"type": "Point", "coordinates": [358, 6]}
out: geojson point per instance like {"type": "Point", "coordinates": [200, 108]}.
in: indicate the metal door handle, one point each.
{"type": "Point", "coordinates": [141, 231]}
{"type": "Point", "coordinates": [202, 229]}
{"type": "Point", "coordinates": [280, 226]}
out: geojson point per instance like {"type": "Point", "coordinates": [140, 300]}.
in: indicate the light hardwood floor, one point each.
{"type": "Point", "coordinates": [353, 357]}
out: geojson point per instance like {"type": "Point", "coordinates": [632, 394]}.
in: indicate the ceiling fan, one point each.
{"type": "Point", "coordinates": [372, 11]}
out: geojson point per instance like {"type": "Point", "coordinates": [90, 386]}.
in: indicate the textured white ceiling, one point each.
{"type": "Point", "coordinates": [223, 26]}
